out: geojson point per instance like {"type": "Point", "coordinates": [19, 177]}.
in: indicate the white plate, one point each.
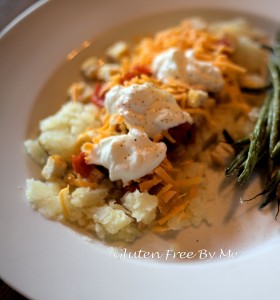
{"type": "Point", "coordinates": [47, 260]}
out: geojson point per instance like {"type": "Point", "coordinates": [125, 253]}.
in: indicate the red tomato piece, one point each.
{"type": "Point", "coordinates": [80, 166]}
{"type": "Point", "coordinates": [136, 71]}
{"type": "Point", "coordinates": [142, 70]}
{"type": "Point", "coordinates": [128, 76]}
{"type": "Point", "coordinates": [183, 133]}
{"type": "Point", "coordinates": [97, 97]}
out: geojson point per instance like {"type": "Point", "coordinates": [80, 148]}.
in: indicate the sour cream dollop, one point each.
{"type": "Point", "coordinates": [128, 156]}
{"type": "Point", "coordinates": [147, 107]}
{"type": "Point", "coordinates": [183, 66]}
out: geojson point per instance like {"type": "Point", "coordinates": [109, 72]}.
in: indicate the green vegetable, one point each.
{"type": "Point", "coordinates": [263, 144]}
{"type": "Point", "coordinates": [259, 90]}
{"type": "Point", "coordinates": [241, 142]}
{"type": "Point", "coordinates": [272, 189]}
{"type": "Point", "coordinates": [237, 163]}
{"type": "Point", "coordinates": [270, 186]}
{"type": "Point", "coordinates": [276, 151]}
{"type": "Point", "coordinates": [257, 143]}
{"type": "Point", "coordinates": [275, 107]}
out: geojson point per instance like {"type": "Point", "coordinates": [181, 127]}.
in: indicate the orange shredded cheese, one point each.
{"type": "Point", "coordinates": [188, 181]}
{"type": "Point", "coordinates": [165, 189]}
{"type": "Point", "coordinates": [157, 138]}
{"type": "Point", "coordinates": [166, 134]}
{"type": "Point", "coordinates": [164, 176]}
{"type": "Point", "coordinates": [229, 67]}
{"type": "Point", "coordinates": [147, 185]}
{"type": "Point", "coordinates": [62, 195]}
{"type": "Point", "coordinates": [158, 229]}
{"type": "Point", "coordinates": [79, 182]}
{"type": "Point", "coordinates": [173, 213]}
{"type": "Point", "coordinates": [168, 195]}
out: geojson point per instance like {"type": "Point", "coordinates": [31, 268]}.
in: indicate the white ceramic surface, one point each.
{"type": "Point", "coordinates": [47, 260]}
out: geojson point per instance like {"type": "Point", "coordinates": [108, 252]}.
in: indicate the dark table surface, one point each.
{"type": "Point", "coordinates": [9, 9]}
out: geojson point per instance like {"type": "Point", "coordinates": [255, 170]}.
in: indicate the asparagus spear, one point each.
{"type": "Point", "coordinates": [271, 185]}
{"type": "Point", "coordinates": [275, 107]}
{"type": "Point", "coordinates": [276, 151]}
{"type": "Point", "coordinates": [258, 141]}
{"type": "Point", "coordinates": [265, 138]}
{"type": "Point", "coordinates": [273, 190]}
{"type": "Point", "coordinates": [237, 162]}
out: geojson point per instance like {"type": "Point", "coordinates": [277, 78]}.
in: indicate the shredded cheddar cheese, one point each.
{"type": "Point", "coordinates": [164, 176]}
{"type": "Point", "coordinates": [62, 196]}
{"type": "Point", "coordinates": [174, 212]}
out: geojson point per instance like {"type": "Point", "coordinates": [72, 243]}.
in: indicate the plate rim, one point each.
{"type": "Point", "coordinates": [20, 17]}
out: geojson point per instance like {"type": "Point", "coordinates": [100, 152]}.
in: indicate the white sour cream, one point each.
{"type": "Point", "coordinates": [170, 64]}
{"type": "Point", "coordinates": [183, 66]}
{"type": "Point", "coordinates": [127, 157]}
{"type": "Point", "coordinates": [146, 107]}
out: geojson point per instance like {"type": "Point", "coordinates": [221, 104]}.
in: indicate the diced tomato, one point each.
{"type": "Point", "coordinates": [80, 166]}
{"type": "Point", "coordinates": [136, 71]}
{"type": "Point", "coordinates": [183, 133]}
{"type": "Point", "coordinates": [128, 76]}
{"type": "Point", "coordinates": [98, 97]}
{"type": "Point", "coordinates": [142, 70]}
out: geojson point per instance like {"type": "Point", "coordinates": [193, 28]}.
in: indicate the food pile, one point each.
{"type": "Point", "coordinates": [129, 150]}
